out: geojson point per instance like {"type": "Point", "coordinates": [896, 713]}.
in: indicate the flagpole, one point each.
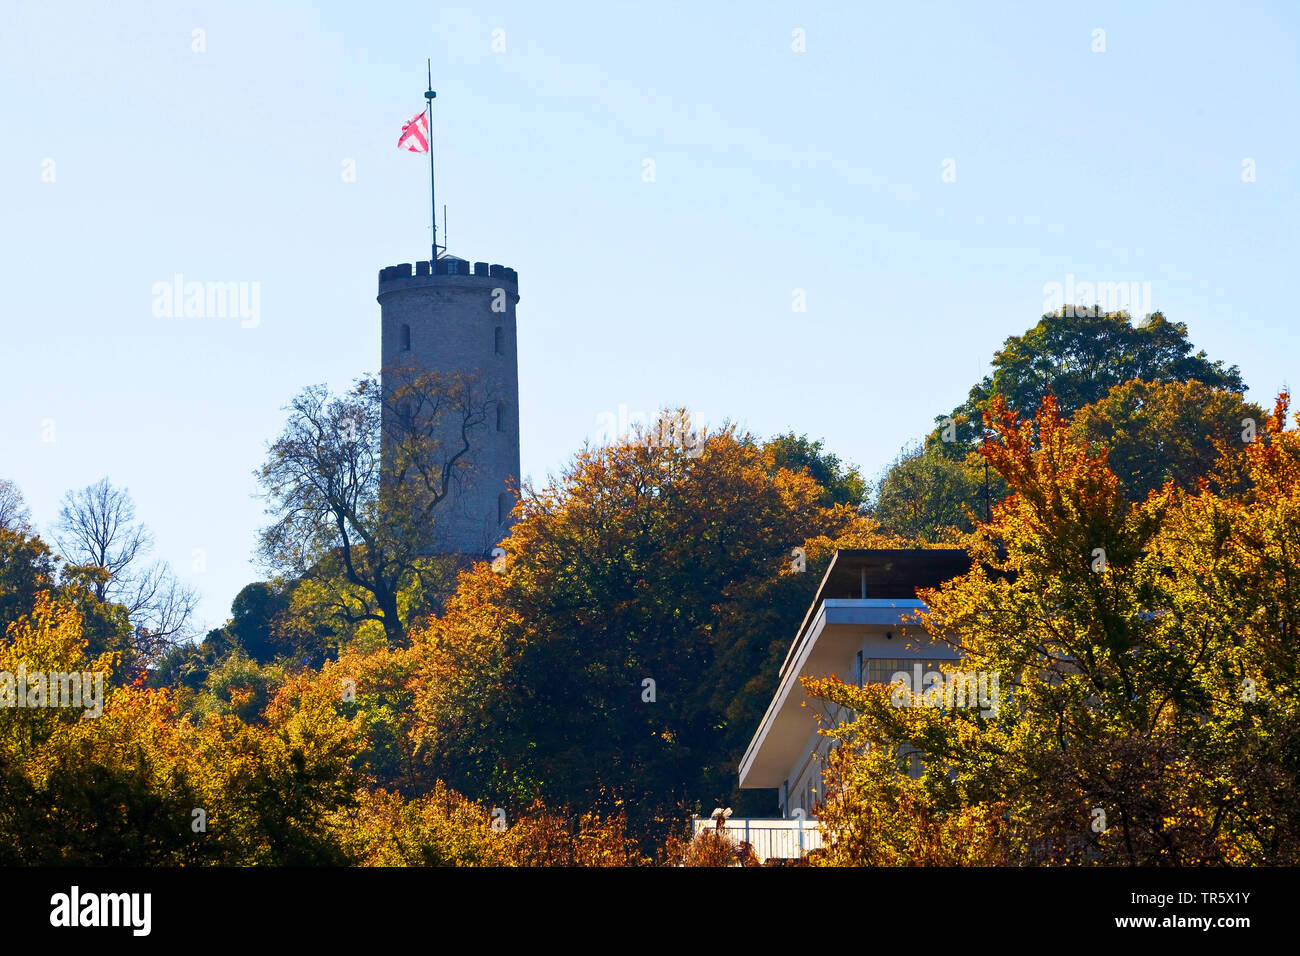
{"type": "Point", "coordinates": [433, 203]}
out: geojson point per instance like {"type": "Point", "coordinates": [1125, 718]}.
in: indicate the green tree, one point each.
{"type": "Point", "coordinates": [929, 496]}
{"type": "Point", "coordinates": [186, 666]}
{"type": "Point", "coordinates": [26, 568]}
{"type": "Point", "coordinates": [253, 614]}
{"type": "Point", "coordinates": [356, 482]}
{"type": "Point", "coordinates": [1078, 358]}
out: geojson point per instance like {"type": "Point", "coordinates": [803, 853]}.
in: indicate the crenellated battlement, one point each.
{"type": "Point", "coordinates": [403, 277]}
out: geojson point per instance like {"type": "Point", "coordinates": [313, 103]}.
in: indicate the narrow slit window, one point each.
{"type": "Point", "coordinates": [406, 338]}
{"type": "Point", "coordinates": [499, 341]}
{"type": "Point", "coordinates": [501, 417]}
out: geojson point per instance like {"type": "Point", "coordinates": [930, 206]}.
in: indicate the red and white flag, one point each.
{"type": "Point", "coordinates": [415, 134]}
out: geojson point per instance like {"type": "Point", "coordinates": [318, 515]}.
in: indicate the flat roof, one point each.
{"type": "Point", "coordinates": [857, 573]}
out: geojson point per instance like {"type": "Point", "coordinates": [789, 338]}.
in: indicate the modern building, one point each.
{"type": "Point", "coordinates": [859, 628]}
{"type": "Point", "coordinates": [448, 316]}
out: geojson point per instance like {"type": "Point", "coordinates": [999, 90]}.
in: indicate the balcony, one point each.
{"type": "Point", "coordinates": [774, 838]}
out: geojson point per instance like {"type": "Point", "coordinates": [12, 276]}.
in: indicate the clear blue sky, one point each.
{"type": "Point", "coordinates": [775, 170]}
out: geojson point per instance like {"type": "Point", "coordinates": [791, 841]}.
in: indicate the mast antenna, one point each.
{"type": "Point", "coordinates": [433, 202]}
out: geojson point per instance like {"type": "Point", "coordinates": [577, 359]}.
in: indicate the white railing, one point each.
{"type": "Point", "coordinates": [784, 839]}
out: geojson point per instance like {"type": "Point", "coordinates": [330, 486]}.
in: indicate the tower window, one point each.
{"type": "Point", "coordinates": [451, 267]}
{"type": "Point", "coordinates": [501, 417]}
{"type": "Point", "coordinates": [499, 341]}
{"type": "Point", "coordinates": [406, 338]}
{"type": "Point", "coordinates": [504, 503]}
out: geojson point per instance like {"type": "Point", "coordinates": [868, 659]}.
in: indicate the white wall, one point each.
{"type": "Point", "coordinates": [879, 653]}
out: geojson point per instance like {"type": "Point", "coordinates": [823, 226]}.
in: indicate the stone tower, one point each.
{"type": "Point", "coordinates": [446, 317]}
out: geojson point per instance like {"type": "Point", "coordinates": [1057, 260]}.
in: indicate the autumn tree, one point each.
{"type": "Point", "coordinates": [708, 848]}
{"type": "Point", "coordinates": [843, 484]}
{"type": "Point", "coordinates": [1172, 431]}
{"type": "Point", "coordinates": [879, 815]}
{"type": "Point", "coordinates": [1150, 709]}
{"type": "Point", "coordinates": [28, 568]}
{"type": "Point", "coordinates": [1154, 432]}
{"type": "Point", "coordinates": [122, 787]}
{"type": "Point", "coordinates": [626, 645]}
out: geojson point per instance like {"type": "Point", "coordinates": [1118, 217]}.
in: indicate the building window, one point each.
{"type": "Point", "coordinates": [406, 338]}
{"type": "Point", "coordinates": [501, 417]}
{"type": "Point", "coordinates": [499, 341]}
{"type": "Point", "coordinates": [451, 267]}
{"type": "Point", "coordinates": [881, 670]}
{"type": "Point", "coordinates": [504, 504]}
{"type": "Point", "coordinates": [910, 762]}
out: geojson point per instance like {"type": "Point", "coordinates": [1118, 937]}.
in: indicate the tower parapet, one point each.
{"type": "Point", "coordinates": [401, 276]}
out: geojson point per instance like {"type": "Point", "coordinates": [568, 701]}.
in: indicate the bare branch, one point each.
{"type": "Point", "coordinates": [14, 515]}
{"type": "Point", "coordinates": [97, 528]}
